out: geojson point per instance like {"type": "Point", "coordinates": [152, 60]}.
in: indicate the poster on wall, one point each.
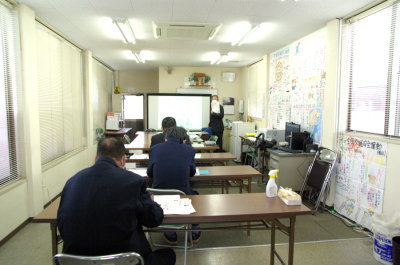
{"type": "Point", "coordinates": [360, 179]}
{"type": "Point", "coordinates": [297, 83]}
{"type": "Point", "coordinates": [229, 105]}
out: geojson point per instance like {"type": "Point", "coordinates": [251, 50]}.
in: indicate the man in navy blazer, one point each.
{"type": "Point", "coordinates": [171, 165]}
{"type": "Point", "coordinates": [103, 208]}
{"type": "Point", "coordinates": [166, 123]}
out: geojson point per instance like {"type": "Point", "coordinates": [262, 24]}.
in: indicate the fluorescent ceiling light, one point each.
{"type": "Point", "coordinates": [138, 57]}
{"type": "Point", "coordinates": [214, 32]}
{"type": "Point", "coordinates": [253, 34]}
{"type": "Point", "coordinates": [126, 30]}
{"type": "Point", "coordinates": [220, 59]}
{"type": "Point", "coordinates": [238, 31]}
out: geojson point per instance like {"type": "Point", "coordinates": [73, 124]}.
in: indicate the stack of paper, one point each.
{"type": "Point", "coordinates": [174, 204]}
{"type": "Point", "coordinates": [197, 145]}
{"type": "Point", "coordinates": [139, 156]}
{"type": "Point", "coordinates": [140, 171]}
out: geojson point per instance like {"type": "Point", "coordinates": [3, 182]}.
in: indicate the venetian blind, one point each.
{"type": "Point", "coordinates": [60, 91]}
{"type": "Point", "coordinates": [9, 162]}
{"type": "Point", "coordinates": [373, 50]}
{"type": "Point", "coordinates": [256, 90]}
{"type": "Point", "coordinates": [103, 82]}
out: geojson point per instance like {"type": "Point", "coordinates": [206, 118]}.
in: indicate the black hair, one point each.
{"type": "Point", "coordinates": [176, 132]}
{"type": "Point", "coordinates": [168, 122]}
{"type": "Point", "coordinates": [111, 147]}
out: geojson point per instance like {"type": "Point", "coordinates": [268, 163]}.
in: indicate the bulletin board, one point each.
{"type": "Point", "coordinates": [297, 82]}
{"type": "Point", "coordinates": [360, 179]}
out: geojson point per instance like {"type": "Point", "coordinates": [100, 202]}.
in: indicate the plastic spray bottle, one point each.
{"type": "Point", "coordinates": [272, 189]}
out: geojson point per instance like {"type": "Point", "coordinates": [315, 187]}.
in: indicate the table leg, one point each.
{"type": "Point", "coordinates": [272, 258]}
{"type": "Point", "coordinates": [249, 185]}
{"type": "Point", "coordinates": [53, 228]}
{"type": "Point", "coordinates": [291, 239]}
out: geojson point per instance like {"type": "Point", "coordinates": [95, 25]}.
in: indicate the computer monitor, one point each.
{"type": "Point", "coordinates": [297, 140]}
{"type": "Point", "coordinates": [289, 128]}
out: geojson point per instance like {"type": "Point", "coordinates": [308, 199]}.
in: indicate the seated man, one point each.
{"type": "Point", "coordinates": [103, 208]}
{"type": "Point", "coordinates": [166, 123]}
{"type": "Point", "coordinates": [170, 166]}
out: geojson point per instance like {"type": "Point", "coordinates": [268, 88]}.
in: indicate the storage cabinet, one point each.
{"type": "Point", "coordinates": [292, 167]}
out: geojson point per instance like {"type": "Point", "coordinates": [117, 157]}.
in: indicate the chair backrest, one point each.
{"type": "Point", "coordinates": [165, 191]}
{"type": "Point", "coordinates": [321, 168]}
{"type": "Point", "coordinates": [129, 258]}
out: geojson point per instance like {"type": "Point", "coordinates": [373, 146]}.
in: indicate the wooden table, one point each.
{"type": "Point", "coordinates": [199, 157]}
{"type": "Point", "coordinates": [143, 141]}
{"type": "Point", "coordinates": [120, 133]}
{"type": "Point", "coordinates": [222, 173]}
{"type": "Point", "coordinates": [220, 208]}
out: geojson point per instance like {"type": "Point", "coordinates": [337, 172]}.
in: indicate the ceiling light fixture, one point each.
{"type": "Point", "coordinates": [247, 35]}
{"type": "Point", "coordinates": [214, 32]}
{"type": "Point", "coordinates": [138, 58]}
{"type": "Point", "coordinates": [222, 58]}
{"type": "Point", "coordinates": [126, 30]}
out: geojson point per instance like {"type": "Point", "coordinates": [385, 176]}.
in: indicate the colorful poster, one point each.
{"type": "Point", "coordinates": [297, 83]}
{"type": "Point", "coordinates": [360, 179]}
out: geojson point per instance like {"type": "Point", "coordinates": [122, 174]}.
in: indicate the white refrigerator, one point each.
{"type": "Point", "coordinates": [240, 128]}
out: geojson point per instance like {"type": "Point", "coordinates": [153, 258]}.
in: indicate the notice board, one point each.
{"type": "Point", "coordinates": [360, 179]}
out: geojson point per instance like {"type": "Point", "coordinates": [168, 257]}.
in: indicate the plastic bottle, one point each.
{"type": "Point", "coordinates": [272, 189]}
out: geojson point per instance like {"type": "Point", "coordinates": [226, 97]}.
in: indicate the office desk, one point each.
{"type": "Point", "coordinates": [220, 173]}
{"type": "Point", "coordinates": [119, 133]}
{"type": "Point", "coordinates": [219, 208]}
{"type": "Point", "coordinates": [199, 157]}
{"type": "Point", "coordinates": [292, 167]}
{"type": "Point", "coordinates": [142, 141]}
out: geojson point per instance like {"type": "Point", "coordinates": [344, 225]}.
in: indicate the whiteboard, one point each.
{"type": "Point", "coordinates": [190, 90]}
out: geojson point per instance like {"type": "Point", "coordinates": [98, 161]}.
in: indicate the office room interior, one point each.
{"type": "Point", "coordinates": [105, 61]}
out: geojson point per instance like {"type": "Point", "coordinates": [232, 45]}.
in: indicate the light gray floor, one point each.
{"type": "Point", "coordinates": [320, 239]}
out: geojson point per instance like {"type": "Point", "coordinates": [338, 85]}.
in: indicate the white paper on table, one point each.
{"type": "Point", "coordinates": [215, 106]}
{"type": "Point", "coordinates": [197, 145]}
{"type": "Point", "coordinates": [140, 171]}
{"type": "Point", "coordinates": [173, 204]}
{"type": "Point", "coordinates": [141, 156]}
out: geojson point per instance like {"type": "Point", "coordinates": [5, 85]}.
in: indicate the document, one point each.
{"type": "Point", "coordinates": [174, 204]}
{"type": "Point", "coordinates": [140, 171]}
{"type": "Point", "coordinates": [201, 172]}
{"type": "Point", "coordinates": [139, 156]}
{"type": "Point", "coordinates": [197, 145]}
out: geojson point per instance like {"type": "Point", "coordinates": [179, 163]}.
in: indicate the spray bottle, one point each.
{"type": "Point", "coordinates": [272, 188]}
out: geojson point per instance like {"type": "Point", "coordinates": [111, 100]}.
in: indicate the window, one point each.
{"type": "Point", "coordinates": [133, 107]}
{"type": "Point", "coordinates": [60, 91]}
{"type": "Point", "coordinates": [9, 170]}
{"type": "Point", "coordinates": [103, 83]}
{"type": "Point", "coordinates": [373, 74]}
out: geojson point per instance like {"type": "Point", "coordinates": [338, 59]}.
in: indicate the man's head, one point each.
{"type": "Point", "coordinates": [168, 122]}
{"type": "Point", "coordinates": [215, 97]}
{"type": "Point", "coordinates": [112, 147]}
{"type": "Point", "coordinates": [177, 133]}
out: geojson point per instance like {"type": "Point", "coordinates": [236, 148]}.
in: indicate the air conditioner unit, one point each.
{"type": "Point", "coordinates": [185, 30]}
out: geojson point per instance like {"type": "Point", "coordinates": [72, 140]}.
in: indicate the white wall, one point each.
{"type": "Point", "coordinates": [168, 83]}
{"type": "Point", "coordinates": [134, 82]}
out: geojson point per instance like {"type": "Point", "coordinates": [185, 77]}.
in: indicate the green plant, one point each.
{"type": "Point", "coordinates": [207, 79]}
{"type": "Point", "coordinates": [192, 77]}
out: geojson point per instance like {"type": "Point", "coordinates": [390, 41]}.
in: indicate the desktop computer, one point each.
{"type": "Point", "coordinates": [298, 140]}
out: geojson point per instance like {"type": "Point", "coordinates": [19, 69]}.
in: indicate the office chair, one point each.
{"type": "Point", "coordinates": [173, 226]}
{"type": "Point", "coordinates": [129, 258]}
{"type": "Point", "coordinates": [317, 177]}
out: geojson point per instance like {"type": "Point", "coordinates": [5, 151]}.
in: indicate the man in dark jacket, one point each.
{"type": "Point", "coordinates": [171, 165]}
{"type": "Point", "coordinates": [217, 126]}
{"type": "Point", "coordinates": [103, 208]}
{"type": "Point", "coordinates": [166, 123]}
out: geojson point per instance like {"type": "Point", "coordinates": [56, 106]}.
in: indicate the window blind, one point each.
{"type": "Point", "coordinates": [103, 82]}
{"type": "Point", "coordinates": [373, 76]}
{"type": "Point", "coordinates": [60, 91]}
{"type": "Point", "coordinates": [9, 162]}
{"type": "Point", "coordinates": [256, 90]}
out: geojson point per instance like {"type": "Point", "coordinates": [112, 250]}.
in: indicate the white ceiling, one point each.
{"type": "Point", "coordinates": [88, 24]}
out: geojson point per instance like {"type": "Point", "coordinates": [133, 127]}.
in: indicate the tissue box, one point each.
{"type": "Point", "coordinates": [289, 197]}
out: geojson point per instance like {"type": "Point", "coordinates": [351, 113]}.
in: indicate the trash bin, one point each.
{"type": "Point", "coordinates": [384, 229]}
{"type": "Point", "coordinates": [396, 250]}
